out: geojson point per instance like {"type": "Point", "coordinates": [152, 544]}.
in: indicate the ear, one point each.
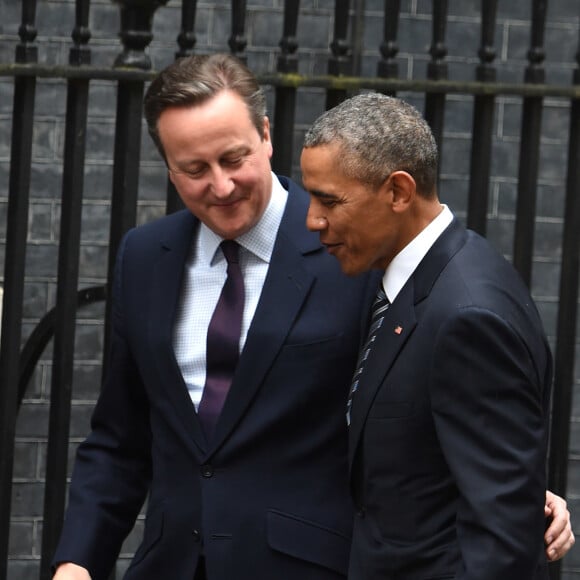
{"type": "Point", "coordinates": [403, 189]}
{"type": "Point", "coordinates": [171, 177]}
{"type": "Point", "coordinates": [266, 137]}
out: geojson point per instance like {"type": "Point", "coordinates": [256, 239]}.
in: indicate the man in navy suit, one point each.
{"type": "Point", "coordinates": [263, 494]}
{"type": "Point", "coordinates": [449, 406]}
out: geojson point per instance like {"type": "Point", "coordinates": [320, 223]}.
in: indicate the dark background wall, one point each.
{"type": "Point", "coordinates": [55, 21]}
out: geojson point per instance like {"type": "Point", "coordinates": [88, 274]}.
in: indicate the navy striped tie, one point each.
{"type": "Point", "coordinates": [379, 307]}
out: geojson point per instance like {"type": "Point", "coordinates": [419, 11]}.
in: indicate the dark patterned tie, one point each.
{"type": "Point", "coordinates": [223, 341]}
{"type": "Point", "coordinates": [378, 310]}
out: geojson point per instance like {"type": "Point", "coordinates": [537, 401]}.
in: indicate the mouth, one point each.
{"type": "Point", "coordinates": [331, 248]}
{"type": "Point", "coordinates": [228, 204]}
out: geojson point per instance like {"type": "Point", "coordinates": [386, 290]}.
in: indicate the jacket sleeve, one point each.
{"type": "Point", "coordinates": [113, 468]}
{"type": "Point", "coordinates": [489, 405]}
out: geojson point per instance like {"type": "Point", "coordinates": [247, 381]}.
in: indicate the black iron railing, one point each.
{"type": "Point", "coordinates": [132, 70]}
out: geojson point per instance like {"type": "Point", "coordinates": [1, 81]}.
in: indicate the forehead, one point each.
{"type": "Point", "coordinates": [320, 163]}
{"type": "Point", "coordinates": [221, 122]}
{"type": "Point", "coordinates": [226, 108]}
{"type": "Point", "coordinates": [322, 171]}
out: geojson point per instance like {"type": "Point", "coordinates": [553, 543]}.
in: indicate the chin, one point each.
{"type": "Point", "coordinates": [232, 231]}
{"type": "Point", "coordinates": [351, 269]}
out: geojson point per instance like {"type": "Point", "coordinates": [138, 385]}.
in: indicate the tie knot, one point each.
{"type": "Point", "coordinates": [380, 304]}
{"type": "Point", "coordinates": [230, 249]}
{"type": "Point", "coordinates": [381, 295]}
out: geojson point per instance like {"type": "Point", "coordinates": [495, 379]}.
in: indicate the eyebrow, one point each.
{"type": "Point", "coordinates": [238, 150]}
{"type": "Point", "coordinates": [322, 194]}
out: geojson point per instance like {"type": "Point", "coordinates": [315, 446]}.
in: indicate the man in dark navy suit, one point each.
{"type": "Point", "coordinates": [259, 491]}
{"type": "Point", "coordinates": [449, 406]}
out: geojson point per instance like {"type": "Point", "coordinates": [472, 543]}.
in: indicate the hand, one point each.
{"type": "Point", "coordinates": [70, 571]}
{"type": "Point", "coordinates": [559, 537]}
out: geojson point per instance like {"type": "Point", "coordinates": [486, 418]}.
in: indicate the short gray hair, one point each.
{"type": "Point", "coordinates": [378, 135]}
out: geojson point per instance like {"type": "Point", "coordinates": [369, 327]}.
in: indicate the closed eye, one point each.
{"type": "Point", "coordinates": [191, 173]}
{"type": "Point", "coordinates": [233, 161]}
{"type": "Point", "coordinates": [325, 199]}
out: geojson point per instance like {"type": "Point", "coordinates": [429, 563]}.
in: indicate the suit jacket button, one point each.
{"type": "Point", "coordinates": [207, 470]}
{"type": "Point", "coordinates": [361, 511]}
{"type": "Point", "coordinates": [196, 535]}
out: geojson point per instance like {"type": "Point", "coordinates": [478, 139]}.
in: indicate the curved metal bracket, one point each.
{"type": "Point", "coordinates": [44, 331]}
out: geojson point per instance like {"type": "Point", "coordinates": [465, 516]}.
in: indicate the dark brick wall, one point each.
{"type": "Point", "coordinates": [55, 20]}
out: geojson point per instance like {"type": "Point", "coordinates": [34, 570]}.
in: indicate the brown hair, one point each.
{"type": "Point", "coordinates": [195, 79]}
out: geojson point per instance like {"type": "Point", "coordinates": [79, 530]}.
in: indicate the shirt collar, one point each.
{"type": "Point", "coordinates": [406, 261]}
{"type": "Point", "coordinates": [260, 239]}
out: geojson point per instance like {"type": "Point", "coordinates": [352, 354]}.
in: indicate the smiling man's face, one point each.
{"type": "Point", "coordinates": [218, 162]}
{"type": "Point", "coordinates": [355, 221]}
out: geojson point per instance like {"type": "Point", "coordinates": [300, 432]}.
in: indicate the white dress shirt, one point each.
{"type": "Point", "coordinates": [406, 261]}
{"type": "Point", "coordinates": [204, 276]}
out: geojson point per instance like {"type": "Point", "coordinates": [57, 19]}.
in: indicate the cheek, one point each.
{"type": "Point", "coordinates": [193, 193]}
{"type": "Point", "coordinates": [193, 196]}
{"type": "Point", "coordinates": [366, 243]}
{"type": "Point", "coordinates": [352, 228]}
{"type": "Point", "coordinates": [255, 180]}
{"type": "Point", "coordinates": [250, 175]}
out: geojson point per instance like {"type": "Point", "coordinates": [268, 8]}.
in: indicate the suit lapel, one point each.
{"type": "Point", "coordinates": [285, 289]}
{"type": "Point", "coordinates": [166, 287]}
{"type": "Point", "coordinates": [399, 324]}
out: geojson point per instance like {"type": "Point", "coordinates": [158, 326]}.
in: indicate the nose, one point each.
{"type": "Point", "coordinates": [314, 221]}
{"type": "Point", "coordinates": [222, 184]}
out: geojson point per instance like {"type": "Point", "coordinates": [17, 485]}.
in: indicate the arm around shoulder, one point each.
{"type": "Point", "coordinates": [559, 536]}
